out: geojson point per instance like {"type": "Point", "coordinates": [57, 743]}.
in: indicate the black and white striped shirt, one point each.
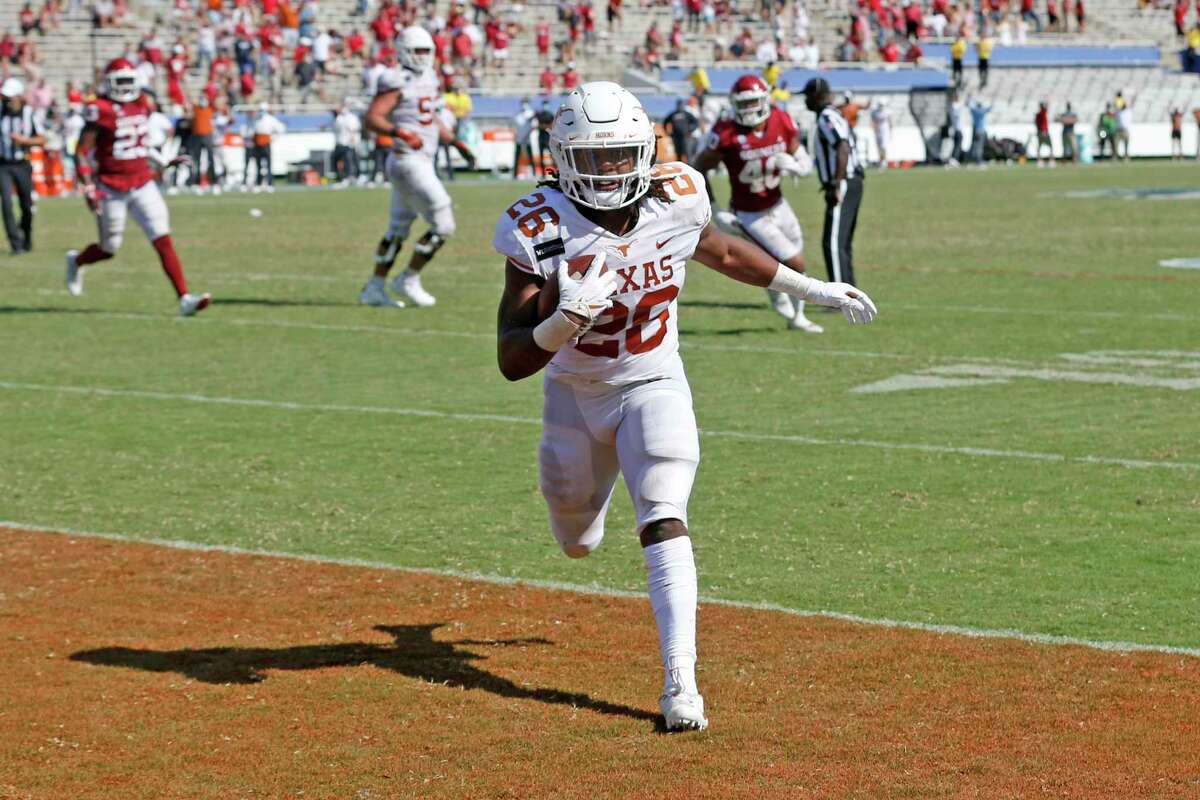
{"type": "Point", "coordinates": [20, 123]}
{"type": "Point", "coordinates": [832, 129]}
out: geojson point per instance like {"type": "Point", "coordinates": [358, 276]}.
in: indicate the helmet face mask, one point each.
{"type": "Point", "coordinates": [751, 101]}
{"type": "Point", "coordinates": [121, 82]}
{"type": "Point", "coordinates": [415, 49]}
{"type": "Point", "coordinates": [603, 145]}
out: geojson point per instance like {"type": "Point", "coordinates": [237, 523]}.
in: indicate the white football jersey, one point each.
{"type": "Point", "coordinates": [417, 107]}
{"type": "Point", "coordinates": [638, 338]}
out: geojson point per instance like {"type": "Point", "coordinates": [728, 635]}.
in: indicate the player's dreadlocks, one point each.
{"type": "Point", "coordinates": [657, 190]}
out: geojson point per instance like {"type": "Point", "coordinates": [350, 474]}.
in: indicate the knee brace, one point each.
{"type": "Point", "coordinates": [429, 244]}
{"type": "Point", "coordinates": [388, 249]}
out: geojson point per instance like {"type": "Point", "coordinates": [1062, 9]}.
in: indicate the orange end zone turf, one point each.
{"type": "Point", "coordinates": [133, 670]}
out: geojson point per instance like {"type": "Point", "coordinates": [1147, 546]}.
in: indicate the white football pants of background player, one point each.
{"type": "Point", "coordinates": [144, 203]}
{"type": "Point", "coordinates": [777, 231]}
{"type": "Point", "coordinates": [416, 191]}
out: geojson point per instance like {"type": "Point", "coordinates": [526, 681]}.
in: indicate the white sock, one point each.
{"type": "Point", "coordinates": [671, 577]}
{"type": "Point", "coordinates": [799, 308]}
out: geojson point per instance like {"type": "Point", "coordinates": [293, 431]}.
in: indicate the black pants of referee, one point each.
{"type": "Point", "coordinates": [18, 175]}
{"type": "Point", "coordinates": [838, 238]}
{"type": "Point", "coordinates": [260, 156]}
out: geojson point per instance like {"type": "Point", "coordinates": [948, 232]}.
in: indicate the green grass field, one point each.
{"type": "Point", "coordinates": [1063, 500]}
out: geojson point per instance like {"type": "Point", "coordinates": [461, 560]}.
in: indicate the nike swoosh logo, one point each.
{"type": "Point", "coordinates": [661, 244]}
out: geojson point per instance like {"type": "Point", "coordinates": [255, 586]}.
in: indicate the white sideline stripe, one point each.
{"type": "Point", "coordinates": [982, 452]}
{"type": "Point", "coordinates": [602, 591]}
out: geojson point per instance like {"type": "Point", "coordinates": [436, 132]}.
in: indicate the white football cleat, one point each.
{"type": "Point", "coordinates": [683, 711]}
{"type": "Point", "coordinates": [782, 303]}
{"type": "Point", "coordinates": [191, 304]}
{"type": "Point", "coordinates": [374, 294]}
{"type": "Point", "coordinates": [74, 274]}
{"type": "Point", "coordinates": [409, 284]}
{"type": "Point", "coordinates": [803, 323]}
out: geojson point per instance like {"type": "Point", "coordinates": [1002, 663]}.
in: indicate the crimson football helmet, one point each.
{"type": "Point", "coordinates": [121, 81]}
{"type": "Point", "coordinates": [751, 100]}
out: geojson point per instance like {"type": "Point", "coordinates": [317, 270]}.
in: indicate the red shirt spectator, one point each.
{"type": "Point", "coordinates": [356, 43]}
{"type": "Point", "coordinates": [462, 46]}
{"type": "Point", "coordinates": [441, 48]}
{"type": "Point", "coordinates": [457, 19]}
{"type": "Point", "coordinates": [588, 15]}
{"type": "Point", "coordinates": [383, 28]}
{"type": "Point", "coordinates": [269, 7]}
{"type": "Point", "coordinates": [889, 52]}
{"type": "Point", "coordinates": [570, 78]}
{"type": "Point", "coordinates": [547, 80]}
{"type": "Point", "coordinates": [543, 38]}
{"type": "Point", "coordinates": [501, 42]}
{"type": "Point", "coordinates": [246, 84]}
{"type": "Point", "coordinates": [914, 53]}
{"type": "Point", "coordinates": [221, 66]}
{"type": "Point", "coordinates": [940, 7]}
{"type": "Point", "coordinates": [677, 36]}
{"type": "Point", "coordinates": [653, 36]}
{"type": "Point", "coordinates": [211, 90]}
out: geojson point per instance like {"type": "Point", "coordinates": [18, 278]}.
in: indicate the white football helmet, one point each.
{"type": "Point", "coordinates": [603, 144]}
{"type": "Point", "coordinates": [751, 100]}
{"type": "Point", "coordinates": [120, 81]}
{"type": "Point", "coordinates": [414, 46]}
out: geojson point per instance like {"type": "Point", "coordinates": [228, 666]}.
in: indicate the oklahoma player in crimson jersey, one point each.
{"type": "Point", "coordinates": [114, 171]}
{"type": "Point", "coordinates": [758, 145]}
{"type": "Point", "coordinates": [616, 234]}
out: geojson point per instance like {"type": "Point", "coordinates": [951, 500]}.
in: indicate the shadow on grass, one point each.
{"type": "Point", "coordinates": [688, 332]}
{"type": "Point", "coordinates": [719, 304]}
{"type": "Point", "coordinates": [221, 300]}
{"type": "Point", "coordinates": [50, 310]}
{"type": "Point", "coordinates": [414, 653]}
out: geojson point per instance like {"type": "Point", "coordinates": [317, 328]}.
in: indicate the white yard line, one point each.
{"type": "Point", "coordinates": [596, 590]}
{"type": "Point", "coordinates": [978, 452]}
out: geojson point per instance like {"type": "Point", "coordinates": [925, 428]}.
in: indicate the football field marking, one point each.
{"type": "Point", "coordinates": [283, 405]}
{"type": "Point", "coordinates": [601, 591]}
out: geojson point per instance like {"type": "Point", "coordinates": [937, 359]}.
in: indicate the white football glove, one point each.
{"type": "Point", "coordinates": [588, 296]}
{"type": "Point", "coordinates": [854, 304]}
{"type": "Point", "coordinates": [726, 221]}
{"type": "Point", "coordinates": [798, 165]}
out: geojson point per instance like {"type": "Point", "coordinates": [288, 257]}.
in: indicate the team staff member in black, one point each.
{"type": "Point", "coordinates": [18, 132]}
{"type": "Point", "coordinates": [839, 168]}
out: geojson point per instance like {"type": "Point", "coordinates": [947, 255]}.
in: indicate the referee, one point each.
{"type": "Point", "coordinates": [841, 173]}
{"type": "Point", "coordinates": [18, 132]}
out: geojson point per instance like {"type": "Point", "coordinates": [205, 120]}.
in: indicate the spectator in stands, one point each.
{"type": "Point", "coordinates": [1053, 22]}
{"type": "Point", "coordinates": [983, 50]}
{"type": "Point", "coordinates": [543, 41]}
{"type": "Point", "coordinates": [1106, 132]}
{"type": "Point", "coordinates": [1181, 9]}
{"type": "Point", "coordinates": [613, 13]}
{"type": "Point", "coordinates": [1069, 119]}
{"type": "Point", "coordinates": [914, 54]}
{"type": "Point", "coordinates": [103, 14]}
{"type": "Point", "coordinates": [1041, 122]}
{"type": "Point", "coordinates": [547, 80]}
{"type": "Point", "coordinates": [1176, 134]}
{"type": "Point", "coordinates": [957, 51]}
{"type": "Point", "coordinates": [570, 78]}
{"type": "Point", "coordinates": [743, 45]}
{"type": "Point", "coordinates": [1124, 129]}
{"type": "Point", "coordinates": [890, 53]}
{"type": "Point", "coordinates": [680, 125]}
{"type": "Point", "coordinates": [29, 21]}
{"type": "Point", "coordinates": [206, 47]}
{"type": "Point", "coordinates": [1080, 16]}
{"type": "Point", "coordinates": [979, 135]}
{"type": "Point", "coordinates": [306, 78]}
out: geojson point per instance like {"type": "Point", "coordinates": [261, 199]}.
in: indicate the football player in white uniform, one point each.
{"type": "Point", "coordinates": [616, 397]}
{"type": "Point", "coordinates": [405, 109]}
